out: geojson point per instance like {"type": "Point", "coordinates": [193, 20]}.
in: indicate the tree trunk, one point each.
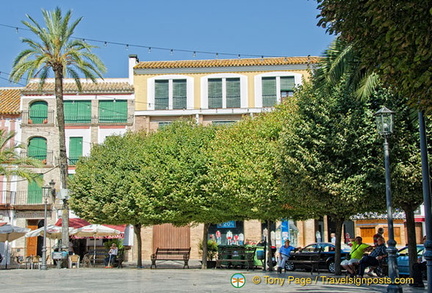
{"type": "Point", "coordinates": [137, 231]}
{"type": "Point", "coordinates": [269, 247]}
{"type": "Point", "coordinates": [339, 223]}
{"type": "Point", "coordinates": [412, 245]}
{"type": "Point", "coordinates": [62, 160]}
{"type": "Point", "coordinates": [204, 246]}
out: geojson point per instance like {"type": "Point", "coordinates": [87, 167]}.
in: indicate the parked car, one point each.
{"type": "Point", "coordinates": [403, 260]}
{"type": "Point", "coordinates": [326, 256]}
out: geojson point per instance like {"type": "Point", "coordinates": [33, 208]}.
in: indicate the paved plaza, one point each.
{"type": "Point", "coordinates": [170, 277]}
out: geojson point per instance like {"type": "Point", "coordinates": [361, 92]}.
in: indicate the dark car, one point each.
{"type": "Point", "coordinates": [403, 259]}
{"type": "Point", "coordinates": [326, 253]}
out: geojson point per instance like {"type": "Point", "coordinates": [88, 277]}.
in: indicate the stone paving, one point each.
{"type": "Point", "coordinates": [170, 277]}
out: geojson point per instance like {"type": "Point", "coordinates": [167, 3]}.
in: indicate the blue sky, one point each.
{"type": "Point", "coordinates": [262, 28]}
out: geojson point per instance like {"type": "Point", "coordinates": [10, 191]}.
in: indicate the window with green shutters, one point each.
{"type": "Point", "coordinates": [75, 149]}
{"type": "Point", "coordinates": [214, 93]}
{"type": "Point", "coordinates": [34, 192]}
{"type": "Point", "coordinates": [38, 112]}
{"type": "Point", "coordinates": [269, 96]}
{"type": "Point", "coordinates": [37, 148]}
{"type": "Point", "coordinates": [287, 85]}
{"type": "Point", "coordinates": [233, 92]}
{"type": "Point", "coordinates": [179, 94]}
{"type": "Point", "coordinates": [77, 111]}
{"type": "Point", "coordinates": [113, 111]}
{"type": "Point", "coordinates": [161, 94]}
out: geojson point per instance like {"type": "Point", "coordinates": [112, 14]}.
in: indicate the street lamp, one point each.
{"type": "Point", "coordinates": [46, 193]}
{"type": "Point", "coordinates": [384, 120]}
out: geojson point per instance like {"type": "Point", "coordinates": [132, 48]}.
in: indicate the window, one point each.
{"type": "Point", "coordinates": [113, 111]}
{"type": "Point", "coordinates": [75, 149]}
{"type": "Point", "coordinates": [37, 148]}
{"type": "Point", "coordinates": [220, 122]}
{"type": "Point", "coordinates": [275, 89]}
{"type": "Point", "coordinates": [34, 192]}
{"type": "Point", "coordinates": [162, 124]}
{"type": "Point", "coordinates": [223, 93]}
{"type": "Point", "coordinates": [170, 94]}
{"type": "Point", "coordinates": [38, 112]}
{"type": "Point", "coordinates": [77, 111]}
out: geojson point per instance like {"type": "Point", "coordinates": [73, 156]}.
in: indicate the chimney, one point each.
{"type": "Point", "coordinates": [133, 60]}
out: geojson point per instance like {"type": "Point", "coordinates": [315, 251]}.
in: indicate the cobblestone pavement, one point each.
{"type": "Point", "coordinates": [170, 277]}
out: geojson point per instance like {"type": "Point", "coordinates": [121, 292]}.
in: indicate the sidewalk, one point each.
{"type": "Point", "coordinates": [170, 277]}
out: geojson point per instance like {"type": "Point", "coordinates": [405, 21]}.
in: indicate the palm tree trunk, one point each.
{"type": "Point", "coordinates": [62, 160]}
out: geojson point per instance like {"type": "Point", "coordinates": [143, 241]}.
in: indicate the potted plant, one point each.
{"type": "Point", "coordinates": [212, 251]}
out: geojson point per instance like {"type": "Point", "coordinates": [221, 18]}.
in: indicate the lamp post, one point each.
{"type": "Point", "coordinates": [46, 193]}
{"type": "Point", "coordinates": [384, 120]}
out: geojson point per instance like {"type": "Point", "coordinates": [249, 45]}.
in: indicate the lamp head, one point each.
{"type": "Point", "coordinates": [384, 121]}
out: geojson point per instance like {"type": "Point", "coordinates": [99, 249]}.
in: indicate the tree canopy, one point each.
{"type": "Point", "coordinates": [393, 39]}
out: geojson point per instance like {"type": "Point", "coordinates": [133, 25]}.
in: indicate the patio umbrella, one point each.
{"type": "Point", "coordinates": [95, 231]}
{"type": "Point", "coordinates": [10, 233]}
{"type": "Point", "coordinates": [53, 232]}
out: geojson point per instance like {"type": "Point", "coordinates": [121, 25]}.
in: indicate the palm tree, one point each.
{"type": "Point", "coordinates": [58, 51]}
{"type": "Point", "coordinates": [11, 163]}
{"type": "Point", "coordinates": [340, 61]}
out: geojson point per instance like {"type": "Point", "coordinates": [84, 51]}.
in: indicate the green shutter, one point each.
{"type": "Point", "coordinates": [268, 91]}
{"type": "Point", "coordinates": [77, 111]}
{"type": "Point", "coordinates": [34, 192]}
{"type": "Point", "coordinates": [114, 111]}
{"type": "Point", "coordinates": [37, 148]}
{"type": "Point", "coordinates": [287, 83]}
{"type": "Point", "coordinates": [161, 94]}
{"type": "Point", "coordinates": [38, 112]}
{"type": "Point", "coordinates": [179, 94]}
{"type": "Point", "coordinates": [233, 92]}
{"type": "Point", "coordinates": [214, 93]}
{"type": "Point", "coordinates": [75, 149]}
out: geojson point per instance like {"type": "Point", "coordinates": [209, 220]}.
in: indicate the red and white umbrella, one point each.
{"type": "Point", "coordinates": [95, 231]}
{"type": "Point", "coordinates": [53, 232]}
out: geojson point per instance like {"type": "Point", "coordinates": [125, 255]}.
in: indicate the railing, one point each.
{"type": "Point", "coordinates": [47, 159]}
{"type": "Point", "coordinates": [40, 121]}
{"type": "Point", "coordinates": [29, 198]}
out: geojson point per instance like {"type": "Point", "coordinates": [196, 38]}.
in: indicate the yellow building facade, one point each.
{"type": "Point", "coordinates": [220, 91]}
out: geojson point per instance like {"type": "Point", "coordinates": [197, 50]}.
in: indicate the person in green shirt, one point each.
{"type": "Point", "coordinates": [357, 250]}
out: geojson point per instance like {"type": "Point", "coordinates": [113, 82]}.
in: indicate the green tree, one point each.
{"type": "Point", "coordinates": [245, 166]}
{"type": "Point", "coordinates": [11, 163]}
{"type": "Point", "coordinates": [180, 162]}
{"type": "Point", "coordinates": [57, 51]}
{"type": "Point", "coordinates": [104, 184]}
{"type": "Point", "coordinates": [392, 37]}
{"type": "Point", "coordinates": [331, 165]}
{"type": "Point", "coordinates": [342, 62]}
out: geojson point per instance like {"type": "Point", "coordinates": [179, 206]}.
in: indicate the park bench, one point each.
{"type": "Point", "coordinates": [230, 256]}
{"type": "Point", "coordinates": [311, 261]}
{"type": "Point", "coordinates": [171, 254]}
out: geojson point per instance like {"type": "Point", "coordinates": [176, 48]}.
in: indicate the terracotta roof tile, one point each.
{"type": "Point", "coordinates": [227, 62]}
{"type": "Point", "coordinates": [87, 87]}
{"type": "Point", "coordinates": [10, 101]}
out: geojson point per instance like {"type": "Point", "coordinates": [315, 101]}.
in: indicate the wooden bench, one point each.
{"type": "Point", "coordinates": [229, 256]}
{"type": "Point", "coordinates": [97, 256]}
{"type": "Point", "coordinates": [172, 254]}
{"type": "Point", "coordinates": [311, 261]}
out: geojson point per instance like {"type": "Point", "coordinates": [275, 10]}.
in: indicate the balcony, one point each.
{"type": "Point", "coordinates": [46, 158]}
{"type": "Point", "coordinates": [40, 120]}
{"type": "Point", "coordinates": [26, 198]}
